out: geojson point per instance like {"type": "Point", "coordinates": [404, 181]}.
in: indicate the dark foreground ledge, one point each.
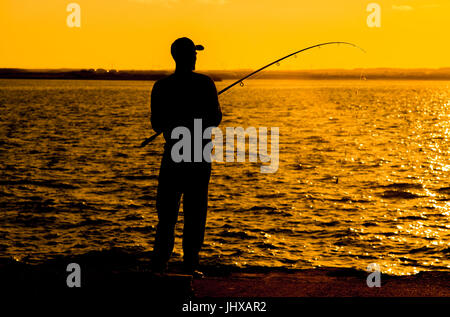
{"type": "Point", "coordinates": [219, 282]}
{"type": "Point", "coordinates": [323, 282]}
{"type": "Point", "coordinates": [280, 292]}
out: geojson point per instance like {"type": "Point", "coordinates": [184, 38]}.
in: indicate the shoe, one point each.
{"type": "Point", "coordinates": [197, 274]}
{"type": "Point", "coordinates": [193, 272]}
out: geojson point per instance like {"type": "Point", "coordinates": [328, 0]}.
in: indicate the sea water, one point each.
{"type": "Point", "coordinates": [362, 178]}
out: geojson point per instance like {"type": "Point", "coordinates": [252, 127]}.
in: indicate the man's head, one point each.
{"type": "Point", "coordinates": [184, 52]}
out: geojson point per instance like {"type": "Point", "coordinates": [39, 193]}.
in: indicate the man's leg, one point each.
{"type": "Point", "coordinates": [195, 205]}
{"type": "Point", "coordinates": [167, 205]}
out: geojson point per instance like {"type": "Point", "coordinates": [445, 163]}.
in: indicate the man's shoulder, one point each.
{"type": "Point", "coordinates": [164, 80]}
{"type": "Point", "coordinates": [163, 83]}
{"type": "Point", "coordinates": [202, 77]}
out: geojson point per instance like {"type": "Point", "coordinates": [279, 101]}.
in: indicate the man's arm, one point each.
{"type": "Point", "coordinates": [215, 113]}
{"type": "Point", "coordinates": [156, 106]}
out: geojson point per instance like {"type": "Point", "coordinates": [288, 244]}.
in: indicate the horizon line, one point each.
{"type": "Point", "coordinates": [226, 70]}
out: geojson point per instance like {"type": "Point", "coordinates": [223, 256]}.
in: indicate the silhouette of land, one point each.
{"type": "Point", "coordinates": [217, 75]}
{"type": "Point", "coordinates": [357, 73]}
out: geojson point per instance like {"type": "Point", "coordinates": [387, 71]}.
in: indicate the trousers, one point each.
{"type": "Point", "coordinates": [188, 181]}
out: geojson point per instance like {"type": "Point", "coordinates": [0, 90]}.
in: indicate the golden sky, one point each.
{"type": "Point", "coordinates": [237, 34]}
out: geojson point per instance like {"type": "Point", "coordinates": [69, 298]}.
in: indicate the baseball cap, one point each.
{"type": "Point", "coordinates": [184, 45]}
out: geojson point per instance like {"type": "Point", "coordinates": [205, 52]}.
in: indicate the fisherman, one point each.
{"type": "Point", "coordinates": [176, 101]}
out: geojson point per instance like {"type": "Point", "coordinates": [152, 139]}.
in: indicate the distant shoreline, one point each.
{"type": "Point", "coordinates": [218, 75]}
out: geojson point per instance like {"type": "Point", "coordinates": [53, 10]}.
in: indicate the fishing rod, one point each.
{"type": "Point", "coordinates": [150, 139]}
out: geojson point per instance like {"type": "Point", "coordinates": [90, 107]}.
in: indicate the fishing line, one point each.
{"type": "Point", "coordinates": [362, 78]}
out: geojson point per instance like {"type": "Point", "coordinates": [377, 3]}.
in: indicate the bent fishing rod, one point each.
{"type": "Point", "coordinates": [150, 139]}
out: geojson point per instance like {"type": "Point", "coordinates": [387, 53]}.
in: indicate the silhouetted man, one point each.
{"type": "Point", "coordinates": [177, 101]}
